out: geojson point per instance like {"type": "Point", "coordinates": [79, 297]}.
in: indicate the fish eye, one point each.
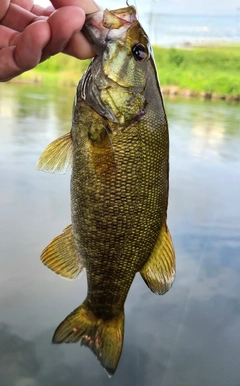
{"type": "Point", "coordinates": [139, 52]}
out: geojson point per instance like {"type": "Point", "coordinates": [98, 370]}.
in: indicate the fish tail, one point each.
{"type": "Point", "coordinates": [103, 337]}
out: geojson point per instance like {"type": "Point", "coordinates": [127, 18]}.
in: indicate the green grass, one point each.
{"type": "Point", "coordinates": [209, 69]}
{"type": "Point", "coordinates": [59, 69]}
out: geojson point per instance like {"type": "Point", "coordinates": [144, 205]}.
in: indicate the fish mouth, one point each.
{"type": "Point", "coordinates": [103, 26]}
{"type": "Point", "coordinates": [111, 19]}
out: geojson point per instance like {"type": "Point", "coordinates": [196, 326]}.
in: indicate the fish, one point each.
{"type": "Point", "coordinates": [118, 150]}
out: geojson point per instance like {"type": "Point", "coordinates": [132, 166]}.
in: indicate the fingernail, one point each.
{"type": "Point", "coordinates": [49, 10]}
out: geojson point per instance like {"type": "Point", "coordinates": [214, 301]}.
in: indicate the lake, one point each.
{"type": "Point", "coordinates": [188, 337]}
{"type": "Point", "coordinates": [176, 30]}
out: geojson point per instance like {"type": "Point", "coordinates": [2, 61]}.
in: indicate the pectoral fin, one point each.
{"type": "Point", "coordinates": [159, 270]}
{"type": "Point", "coordinates": [57, 157]}
{"type": "Point", "coordinates": [61, 255]}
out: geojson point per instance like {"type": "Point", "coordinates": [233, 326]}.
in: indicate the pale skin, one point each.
{"type": "Point", "coordinates": [30, 34]}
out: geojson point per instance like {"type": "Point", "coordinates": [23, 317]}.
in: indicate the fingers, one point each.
{"type": "Point", "coordinates": [34, 8]}
{"type": "Point", "coordinates": [87, 5]}
{"type": "Point", "coordinates": [28, 50]}
{"type": "Point", "coordinates": [40, 11]}
{"type": "Point", "coordinates": [60, 36]}
{"type": "Point", "coordinates": [8, 67]}
{"type": "Point", "coordinates": [63, 38]}
{"type": "Point", "coordinates": [78, 46]}
{"type": "Point", "coordinates": [27, 4]}
{"type": "Point", "coordinates": [17, 18]}
{"type": "Point", "coordinates": [8, 36]}
{"type": "Point", "coordinates": [30, 34]}
{"type": "Point", "coordinates": [30, 44]}
{"type": "Point", "coordinates": [4, 8]}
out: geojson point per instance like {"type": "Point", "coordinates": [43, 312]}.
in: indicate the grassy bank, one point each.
{"type": "Point", "coordinates": [209, 70]}
{"type": "Point", "coordinates": [59, 69]}
{"type": "Point", "coordinates": [202, 69]}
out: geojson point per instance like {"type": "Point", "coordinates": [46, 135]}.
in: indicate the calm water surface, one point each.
{"type": "Point", "coordinates": [191, 335]}
{"type": "Point", "coordinates": [175, 30]}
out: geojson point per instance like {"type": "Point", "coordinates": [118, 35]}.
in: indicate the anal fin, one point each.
{"type": "Point", "coordinates": [61, 255]}
{"type": "Point", "coordinates": [159, 270]}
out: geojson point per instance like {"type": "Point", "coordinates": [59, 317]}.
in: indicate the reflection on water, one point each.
{"type": "Point", "coordinates": [190, 336]}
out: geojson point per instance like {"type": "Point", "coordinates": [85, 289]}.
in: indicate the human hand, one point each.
{"type": "Point", "coordinates": [30, 34]}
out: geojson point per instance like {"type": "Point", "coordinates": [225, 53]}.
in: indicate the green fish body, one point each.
{"type": "Point", "coordinates": [119, 152]}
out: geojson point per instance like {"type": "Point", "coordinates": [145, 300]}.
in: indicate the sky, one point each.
{"type": "Point", "coordinates": [173, 6]}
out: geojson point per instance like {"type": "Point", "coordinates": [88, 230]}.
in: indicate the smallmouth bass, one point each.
{"type": "Point", "coordinates": [118, 149]}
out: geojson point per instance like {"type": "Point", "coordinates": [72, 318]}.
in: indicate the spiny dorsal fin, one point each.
{"type": "Point", "coordinates": [57, 157]}
{"type": "Point", "coordinates": [159, 270]}
{"type": "Point", "coordinates": [61, 255]}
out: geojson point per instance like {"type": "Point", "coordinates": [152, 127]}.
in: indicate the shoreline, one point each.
{"type": "Point", "coordinates": [209, 73]}
{"type": "Point", "coordinates": [167, 90]}
{"type": "Point", "coordinates": [172, 91]}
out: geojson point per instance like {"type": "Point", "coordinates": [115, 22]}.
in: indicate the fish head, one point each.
{"type": "Point", "coordinates": [120, 69]}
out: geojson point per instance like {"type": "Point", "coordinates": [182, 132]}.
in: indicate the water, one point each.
{"type": "Point", "coordinates": [172, 30]}
{"type": "Point", "coordinates": [188, 337]}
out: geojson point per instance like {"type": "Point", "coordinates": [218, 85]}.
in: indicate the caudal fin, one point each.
{"type": "Point", "coordinates": [103, 337]}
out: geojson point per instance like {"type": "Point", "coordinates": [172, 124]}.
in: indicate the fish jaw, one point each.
{"type": "Point", "coordinates": [102, 26]}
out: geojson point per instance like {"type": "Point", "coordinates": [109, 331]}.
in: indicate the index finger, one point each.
{"type": "Point", "coordinates": [75, 44]}
{"type": "Point", "coordinates": [87, 5]}
{"type": "Point", "coordinates": [27, 51]}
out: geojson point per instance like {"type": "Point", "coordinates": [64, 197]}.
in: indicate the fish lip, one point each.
{"type": "Point", "coordinates": [123, 15]}
{"type": "Point", "coordinates": [93, 18]}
